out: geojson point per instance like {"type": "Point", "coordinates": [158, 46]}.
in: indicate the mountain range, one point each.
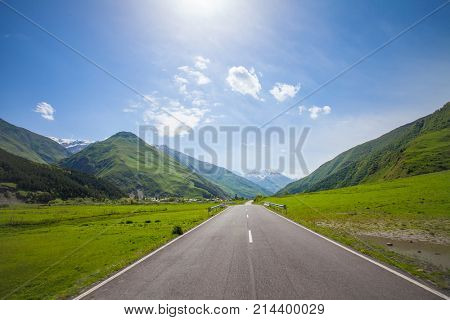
{"type": "Point", "coordinates": [115, 160]}
{"type": "Point", "coordinates": [269, 180]}
{"type": "Point", "coordinates": [127, 164]}
{"type": "Point", "coordinates": [72, 145]}
{"type": "Point", "coordinates": [420, 147]}
{"type": "Point", "coordinates": [131, 164]}
{"type": "Point", "coordinates": [230, 182]}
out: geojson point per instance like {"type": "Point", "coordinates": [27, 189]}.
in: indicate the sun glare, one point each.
{"type": "Point", "coordinates": [205, 8]}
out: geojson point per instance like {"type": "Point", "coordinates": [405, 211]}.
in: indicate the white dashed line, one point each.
{"type": "Point", "coordinates": [250, 239]}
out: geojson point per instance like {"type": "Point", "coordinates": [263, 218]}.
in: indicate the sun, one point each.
{"type": "Point", "coordinates": [205, 8]}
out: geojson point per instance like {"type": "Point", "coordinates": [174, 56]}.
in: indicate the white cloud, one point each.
{"type": "Point", "coordinates": [201, 63]}
{"type": "Point", "coordinates": [212, 119]}
{"type": "Point", "coordinates": [199, 102]}
{"type": "Point", "coordinates": [46, 110]}
{"type": "Point", "coordinates": [181, 83]}
{"type": "Point", "coordinates": [174, 118]}
{"type": "Point", "coordinates": [188, 77]}
{"type": "Point", "coordinates": [132, 107]}
{"type": "Point", "coordinates": [326, 109]}
{"type": "Point", "coordinates": [196, 97]}
{"type": "Point", "coordinates": [147, 100]}
{"type": "Point", "coordinates": [180, 80]}
{"type": "Point", "coordinates": [315, 111]}
{"type": "Point", "coordinates": [151, 99]}
{"type": "Point", "coordinates": [198, 76]}
{"type": "Point", "coordinates": [282, 91]}
{"type": "Point", "coordinates": [170, 117]}
{"type": "Point", "coordinates": [244, 81]}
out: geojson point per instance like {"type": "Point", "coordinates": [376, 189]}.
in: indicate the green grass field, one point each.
{"type": "Point", "coordinates": [415, 210]}
{"type": "Point", "coordinates": [53, 252]}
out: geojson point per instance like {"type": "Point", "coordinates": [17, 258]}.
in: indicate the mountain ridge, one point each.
{"type": "Point", "coordinates": [269, 180]}
{"type": "Point", "coordinates": [419, 147]}
{"type": "Point", "coordinates": [230, 182]}
{"type": "Point", "coordinates": [29, 145]}
{"type": "Point", "coordinates": [130, 163]}
{"type": "Point", "coordinates": [72, 145]}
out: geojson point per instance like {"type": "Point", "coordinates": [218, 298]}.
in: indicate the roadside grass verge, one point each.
{"type": "Point", "coordinates": [53, 252]}
{"type": "Point", "coordinates": [415, 210]}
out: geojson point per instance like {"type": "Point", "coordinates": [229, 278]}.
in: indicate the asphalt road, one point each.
{"type": "Point", "coordinates": [247, 252]}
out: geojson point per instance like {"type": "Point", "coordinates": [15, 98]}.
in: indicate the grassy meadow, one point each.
{"type": "Point", "coordinates": [53, 252]}
{"type": "Point", "coordinates": [412, 212]}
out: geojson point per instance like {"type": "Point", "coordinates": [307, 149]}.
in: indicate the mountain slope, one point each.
{"type": "Point", "coordinates": [227, 180]}
{"type": "Point", "coordinates": [29, 145]}
{"type": "Point", "coordinates": [48, 182]}
{"type": "Point", "coordinates": [420, 147]}
{"type": "Point", "coordinates": [132, 165]}
{"type": "Point", "coordinates": [269, 180]}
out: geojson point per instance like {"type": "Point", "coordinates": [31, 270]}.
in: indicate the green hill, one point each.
{"type": "Point", "coordinates": [29, 145]}
{"type": "Point", "coordinates": [42, 182]}
{"type": "Point", "coordinates": [420, 147]}
{"type": "Point", "coordinates": [227, 180]}
{"type": "Point", "coordinates": [131, 164]}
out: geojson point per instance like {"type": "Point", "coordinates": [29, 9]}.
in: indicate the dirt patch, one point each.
{"type": "Point", "coordinates": [436, 254]}
{"type": "Point", "coordinates": [392, 231]}
{"type": "Point", "coordinates": [408, 235]}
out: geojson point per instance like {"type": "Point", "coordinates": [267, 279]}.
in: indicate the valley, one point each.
{"type": "Point", "coordinates": [225, 159]}
{"type": "Point", "coordinates": [74, 213]}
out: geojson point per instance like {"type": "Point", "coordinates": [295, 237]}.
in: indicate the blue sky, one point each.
{"type": "Point", "coordinates": [224, 63]}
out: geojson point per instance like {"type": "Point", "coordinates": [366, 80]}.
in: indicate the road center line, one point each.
{"type": "Point", "coordinates": [247, 216]}
{"type": "Point", "coordinates": [250, 238]}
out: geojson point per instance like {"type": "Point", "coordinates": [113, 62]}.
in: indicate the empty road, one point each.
{"type": "Point", "coordinates": [247, 252]}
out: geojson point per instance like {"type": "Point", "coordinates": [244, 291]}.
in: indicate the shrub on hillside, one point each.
{"type": "Point", "coordinates": [177, 230]}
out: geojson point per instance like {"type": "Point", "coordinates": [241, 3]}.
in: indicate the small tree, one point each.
{"type": "Point", "coordinates": [177, 230]}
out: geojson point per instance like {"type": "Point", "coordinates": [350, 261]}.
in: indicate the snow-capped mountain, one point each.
{"type": "Point", "coordinates": [72, 145]}
{"type": "Point", "coordinates": [269, 180]}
